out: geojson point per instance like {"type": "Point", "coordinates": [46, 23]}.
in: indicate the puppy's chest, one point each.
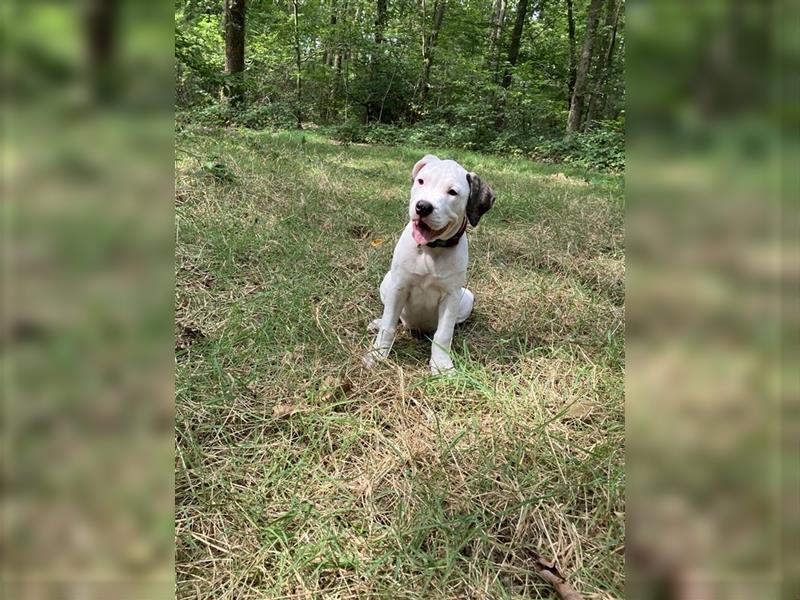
{"type": "Point", "coordinates": [428, 271]}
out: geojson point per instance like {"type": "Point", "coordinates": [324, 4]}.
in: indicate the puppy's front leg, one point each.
{"type": "Point", "coordinates": [394, 299]}
{"type": "Point", "coordinates": [442, 339]}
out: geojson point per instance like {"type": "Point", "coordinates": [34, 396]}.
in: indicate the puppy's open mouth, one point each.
{"type": "Point", "coordinates": [423, 233]}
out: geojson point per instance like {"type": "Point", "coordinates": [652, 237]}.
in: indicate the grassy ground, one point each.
{"type": "Point", "coordinates": [299, 474]}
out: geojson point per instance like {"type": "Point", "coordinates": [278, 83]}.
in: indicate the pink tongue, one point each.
{"type": "Point", "coordinates": [421, 236]}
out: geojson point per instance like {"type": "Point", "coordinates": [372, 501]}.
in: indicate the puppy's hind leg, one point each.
{"type": "Point", "coordinates": [465, 305]}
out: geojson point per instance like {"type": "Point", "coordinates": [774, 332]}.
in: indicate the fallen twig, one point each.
{"type": "Point", "coordinates": [547, 570]}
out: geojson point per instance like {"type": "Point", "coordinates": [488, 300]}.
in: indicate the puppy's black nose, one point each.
{"type": "Point", "coordinates": [424, 208]}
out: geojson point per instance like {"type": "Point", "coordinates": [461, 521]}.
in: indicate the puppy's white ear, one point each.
{"type": "Point", "coordinates": [427, 159]}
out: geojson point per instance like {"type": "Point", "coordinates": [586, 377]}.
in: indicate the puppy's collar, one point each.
{"type": "Point", "coordinates": [449, 241]}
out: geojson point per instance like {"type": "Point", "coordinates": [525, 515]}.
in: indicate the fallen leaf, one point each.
{"type": "Point", "coordinates": [188, 335]}
{"type": "Point", "coordinates": [547, 570]}
{"type": "Point", "coordinates": [286, 410]}
{"type": "Point", "coordinates": [333, 386]}
{"type": "Point", "coordinates": [377, 242]}
{"type": "Point", "coordinates": [580, 410]}
{"type": "Point", "coordinates": [361, 486]}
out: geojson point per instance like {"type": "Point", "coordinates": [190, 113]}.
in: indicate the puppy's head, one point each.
{"type": "Point", "coordinates": [443, 194]}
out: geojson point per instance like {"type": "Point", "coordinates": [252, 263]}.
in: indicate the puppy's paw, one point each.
{"type": "Point", "coordinates": [374, 356]}
{"type": "Point", "coordinates": [441, 365]}
{"type": "Point", "coordinates": [368, 360]}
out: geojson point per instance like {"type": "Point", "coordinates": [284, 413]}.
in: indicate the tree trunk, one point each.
{"type": "Point", "coordinates": [327, 54]}
{"type": "Point", "coordinates": [572, 68]}
{"type": "Point", "coordinates": [298, 81]}
{"type": "Point", "coordinates": [516, 38]}
{"type": "Point", "coordinates": [338, 50]}
{"type": "Point", "coordinates": [428, 44]}
{"type": "Point", "coordinates": [370, 103]}
{"type": "Point", "coordinates": [234, 50]}
{"type": "Point", "coordinates": [604, 67]}
{"type": "Point", "coordinates": [576, 106]}
{"type": "Point", "coordinates": [381, 10]}
{"type": "Point", "coordinates": [498, 20]}
{"type": "Point", "coordinates": [101, 34]}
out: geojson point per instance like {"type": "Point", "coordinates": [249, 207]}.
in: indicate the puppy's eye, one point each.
{"type": "Point", "coordinates": [419, 181]}
{"type": "Point", "coordinates": [453, 193]}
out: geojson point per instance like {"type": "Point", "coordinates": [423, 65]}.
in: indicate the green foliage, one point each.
{"type": "Point", "coordinates": [217, 170]}
{"type": "Point", "coordinates": [198, 60]}
{"type": "Point", "coordinates": [367, 90]}
{"type": "Point", "coordinates": [601, 149]}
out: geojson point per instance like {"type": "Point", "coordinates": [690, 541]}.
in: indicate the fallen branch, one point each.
{"type": "Point", "coordinates": [547, 570]}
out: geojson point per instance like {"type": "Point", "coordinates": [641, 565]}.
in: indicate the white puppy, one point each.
{"type": "Point", "coordinates": [425, 285]}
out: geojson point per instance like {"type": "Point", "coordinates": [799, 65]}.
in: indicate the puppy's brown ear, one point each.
{"type": "Point", "coordinates": [427, 159]}
{"type": "Point", "coordinates": [481, 198]}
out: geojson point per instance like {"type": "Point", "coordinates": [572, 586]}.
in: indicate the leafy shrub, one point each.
{"type": "Point", "coordinates": [261, 116]}
{"type": "Point", "coordinates": [213, 114]}
{"type": "Point", "coordinates": [602, 149]}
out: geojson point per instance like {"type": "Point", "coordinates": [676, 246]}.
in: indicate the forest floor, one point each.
{"type": "Point", "coordinates": [301, 475]}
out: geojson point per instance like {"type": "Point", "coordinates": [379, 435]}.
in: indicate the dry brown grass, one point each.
{"type": "Point", "coordinates": [300, 475]}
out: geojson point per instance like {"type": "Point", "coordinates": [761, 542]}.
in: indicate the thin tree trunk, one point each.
{"type": "Point", "coordinates": [427, 51]}
{"type": "Point", "coordinates": [498, 20]}
{"type": "Point", "coordinates": [572, 68]}
{"type": "Point", "coordinates": [386, 93]}
{"type": "Point", "coordinates": [339, 53]}
{"type": "Point", "coordinates": [374, 59]}
{"type": "Point", "coordinates": [576, 106]}
{"type": "Point", "coordinates": [234, 50]}
{"type": "Point", "coordinates": [604, 67]}
{"type": "Point", "coordinates": [381, 10]}
{"type": "Point", "coordinates": [516, 39]}
{"type": "Point", "coordinates": [327, 54]}
{"type": "Point", "coordinates": [298, 82]}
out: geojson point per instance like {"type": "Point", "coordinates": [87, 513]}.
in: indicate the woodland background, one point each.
{"type": "Point", "coordinates": [537, 78]}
